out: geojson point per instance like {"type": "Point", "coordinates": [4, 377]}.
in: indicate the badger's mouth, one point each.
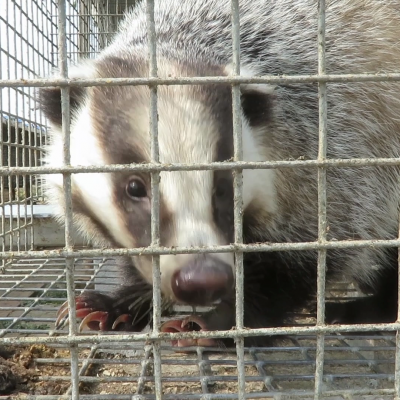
{"type": "Point", "coordinates": [193, 323]}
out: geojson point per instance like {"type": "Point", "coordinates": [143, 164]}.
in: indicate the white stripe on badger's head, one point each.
{"type": "Point", "coordinates": [188, 134]}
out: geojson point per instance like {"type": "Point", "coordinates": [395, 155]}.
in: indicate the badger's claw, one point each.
{"type": "Point", "coordinates": [96, 314]}
{"type": "Point", "coordinates": [190, 324]}
{"type": "Point", "coordinates": [82, 310]}
{"type": "Point", "coordinates": [96, 321]}
{"type": "Point", "coordinates": [122, 319]}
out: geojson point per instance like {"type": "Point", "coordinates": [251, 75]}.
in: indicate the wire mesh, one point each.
{"type": "Point", "coordinates": [314, 361]}
{"type": "Point", "coordinates": [33, 290]}
{"type": "Point", "coordinates": [29, 50]}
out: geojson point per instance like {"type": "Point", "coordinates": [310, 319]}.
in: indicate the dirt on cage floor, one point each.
{"type": "Point", "coordinates": [126, 370]}
{"type": "Point", "coordinates": [22, 375]}
{"type": "Point", "coordinates": [19, 373]}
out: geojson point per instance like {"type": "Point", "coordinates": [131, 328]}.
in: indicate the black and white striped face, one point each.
{"type": "Point", "coordinates": [110, 125]}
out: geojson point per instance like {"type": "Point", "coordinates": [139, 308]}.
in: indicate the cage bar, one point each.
{"type": "Point", "coordinates": [238, 196]}
{"type": "Point", "coordinates": [322, 217]}
{"type": "Point", "coordinates": [155, 195]}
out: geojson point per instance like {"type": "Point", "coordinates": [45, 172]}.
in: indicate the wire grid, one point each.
{"type": "Point", "coordinates": [33, 290]}
{"type": "Point", "coordinates": [28, 49]}
{"type": "Point", "coordinates": [24, 50]}
{"type": "Point", "coordinates": [323, 382]}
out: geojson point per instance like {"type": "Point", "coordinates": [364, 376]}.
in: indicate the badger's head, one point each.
{"type": "Point", "coordinates": [110, 125]}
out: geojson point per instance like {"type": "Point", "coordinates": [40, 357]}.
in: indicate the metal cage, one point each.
{"type": "Point", "coordinates": [42, 264]}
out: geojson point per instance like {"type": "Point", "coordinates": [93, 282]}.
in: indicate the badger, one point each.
{"type": "Point", "coordinates": [110, 125]}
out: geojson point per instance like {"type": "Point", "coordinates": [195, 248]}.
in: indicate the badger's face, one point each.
{"type": "Point", "coordinates": [110, 125]}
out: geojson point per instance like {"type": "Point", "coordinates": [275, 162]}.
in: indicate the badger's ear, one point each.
{"type": "Point", "coordinates": [49, 98]}
{"type": "Point", "coordinates": [257, 103]}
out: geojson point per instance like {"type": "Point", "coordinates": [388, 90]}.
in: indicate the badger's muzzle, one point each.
{"type": "Point", "coordinates": [205, 281]}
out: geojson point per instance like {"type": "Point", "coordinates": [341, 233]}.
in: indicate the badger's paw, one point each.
{"type": "Point", "coordinates": [97, 313]}
{"type": "Point", "coordinates": [190, 324]}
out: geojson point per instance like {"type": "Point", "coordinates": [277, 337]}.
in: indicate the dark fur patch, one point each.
{"type": "Point", "coordinates": [222, 203]}
{"type": "Point", "coordinates": [380, 307]}
{"type": "Point", "coordinates": [121, 67]}
{"type": "Point", "coordinates": [257, 107]}
{"type": "Point", "coordinates": [136, 215]}
{"type": "Point", "coordinates": [49, 100]}
{"type": "Point", "coordinates": [219, 97]}
{"type": "Point", "coordinates": [110, 110]}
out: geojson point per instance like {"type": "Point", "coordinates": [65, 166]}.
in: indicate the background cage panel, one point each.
{"type": "Point", "coordinates": [354, 366]}
{"type": "Point", "coordinates": [29, 49]}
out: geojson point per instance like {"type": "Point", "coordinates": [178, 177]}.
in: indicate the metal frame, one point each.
{"type": "Point", "coordinates": [73, 339]}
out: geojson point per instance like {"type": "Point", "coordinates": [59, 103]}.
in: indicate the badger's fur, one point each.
{"type": "Point", "coordinates": [110, 125]}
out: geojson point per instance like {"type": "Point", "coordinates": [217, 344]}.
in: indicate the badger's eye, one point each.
{"type": "Point", "coordinates": [136, 189]}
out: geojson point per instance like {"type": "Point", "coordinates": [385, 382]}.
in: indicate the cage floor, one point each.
{"type": "Point", "coordinates": [356, 366]}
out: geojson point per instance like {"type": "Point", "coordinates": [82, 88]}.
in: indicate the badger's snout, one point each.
{"type": "Point", "coordinates": [204, 281]}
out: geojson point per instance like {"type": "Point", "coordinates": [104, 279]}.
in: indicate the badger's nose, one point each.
{"type": "Point", "coordinates": [205, 281]}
